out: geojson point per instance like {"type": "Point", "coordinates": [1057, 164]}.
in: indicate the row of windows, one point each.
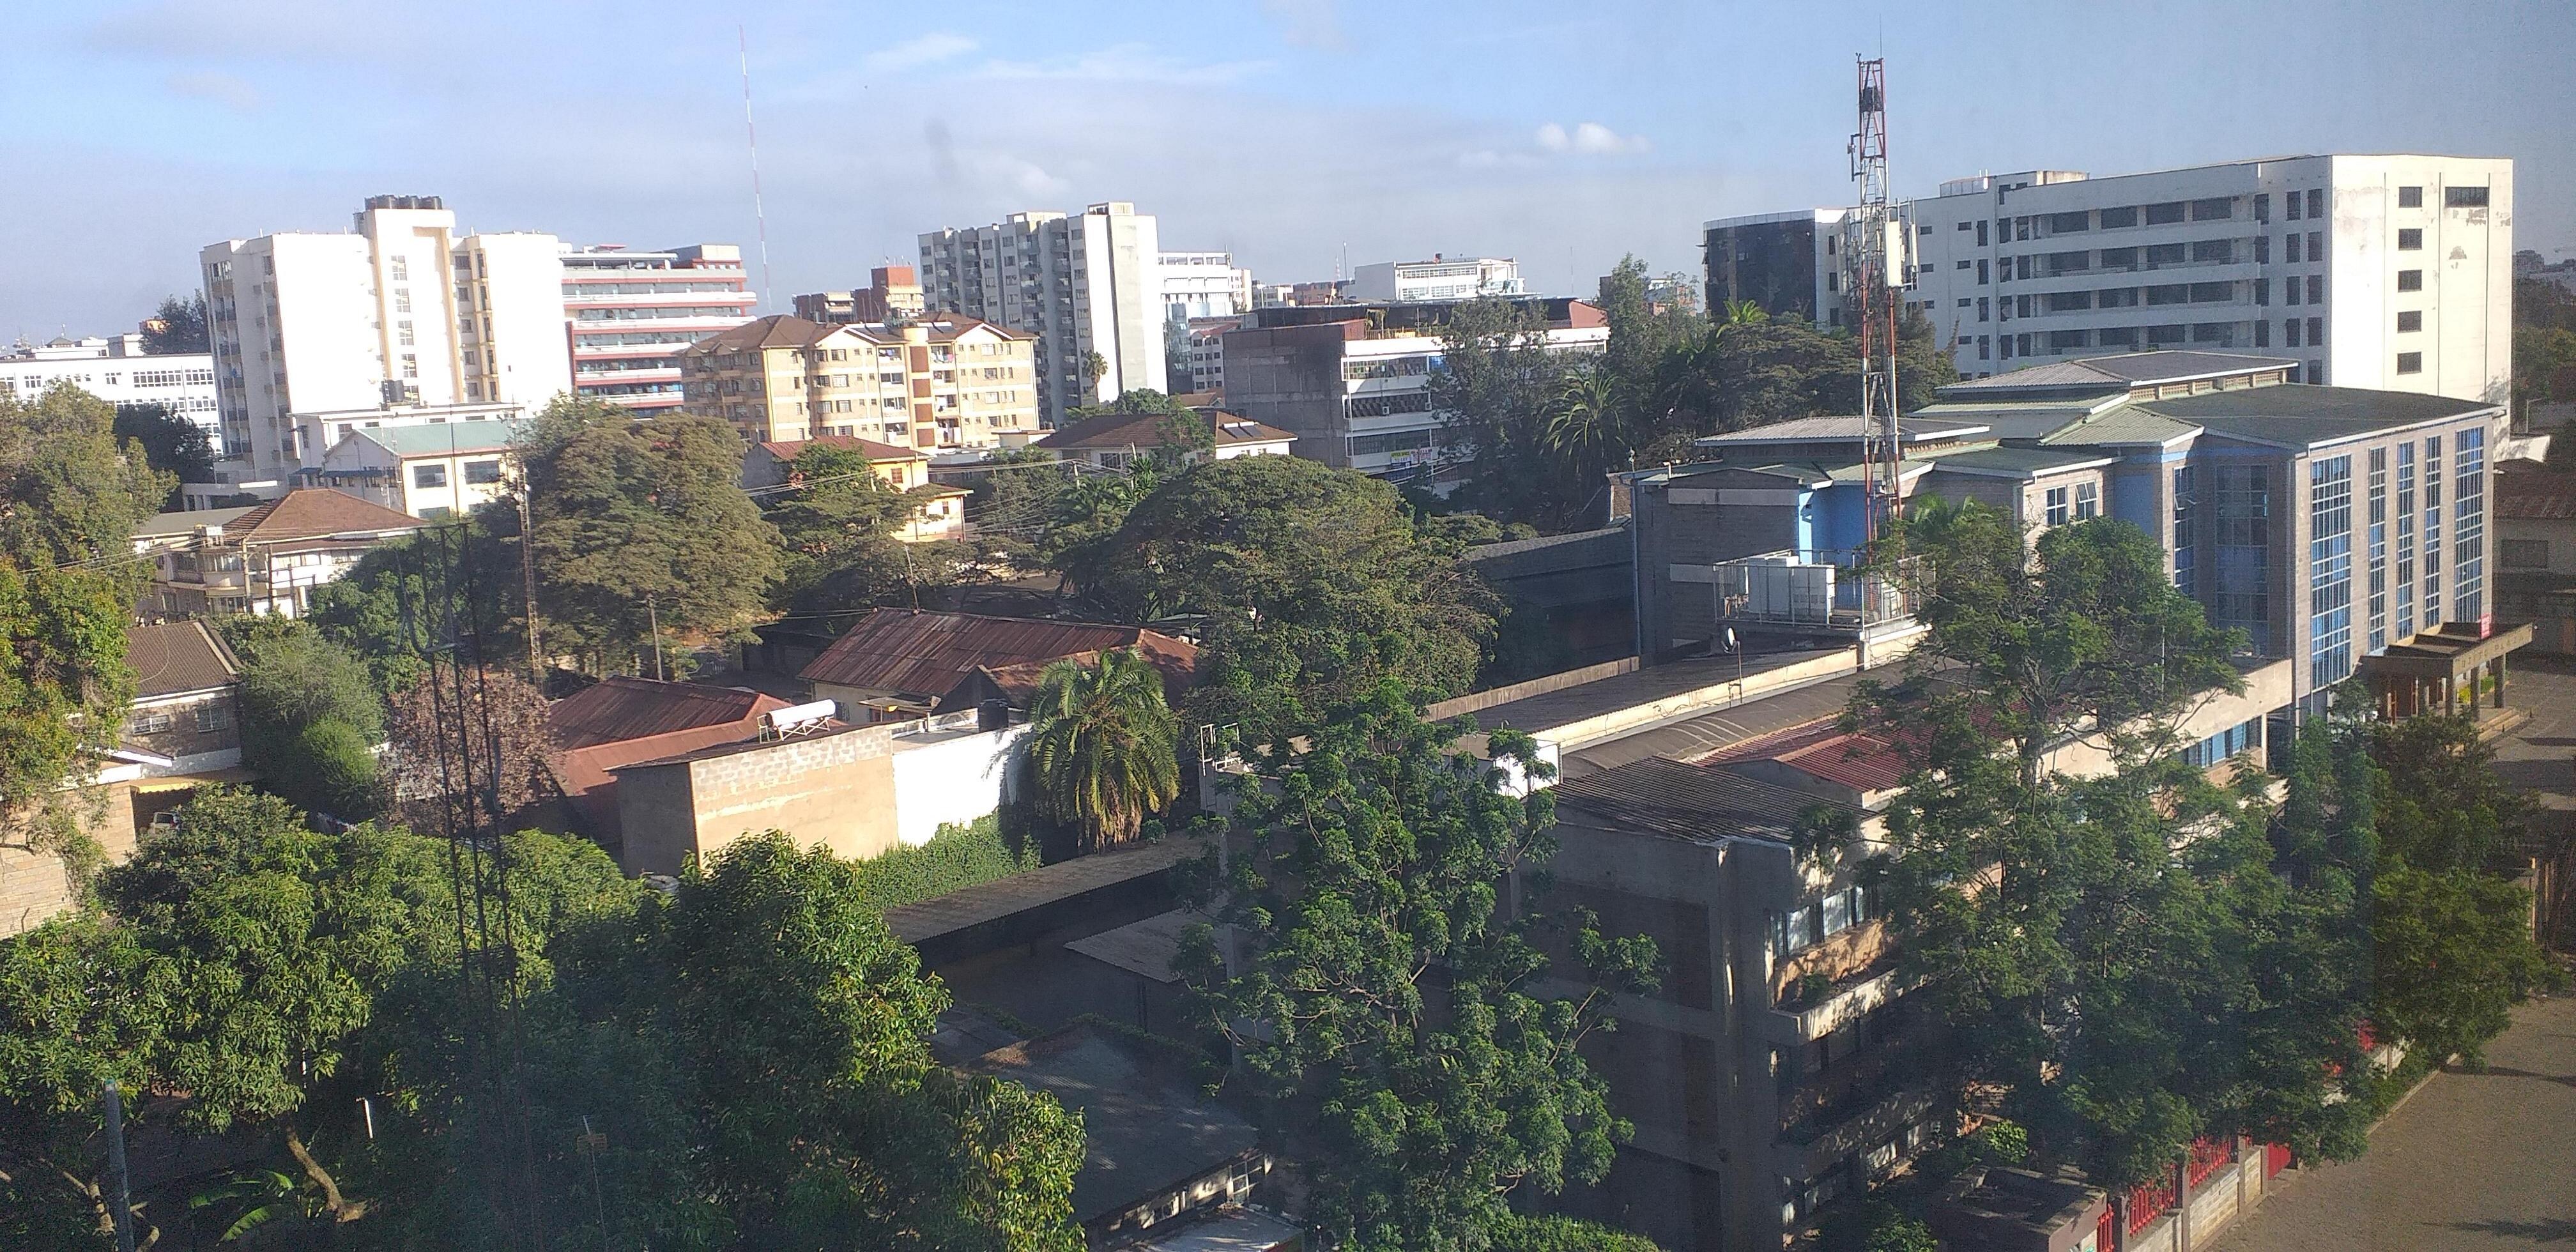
{"type": "Point", "coordinates": [2088, 503]}
{"type": "Point", "coordinates": [1800, 929]}
{"type": "Point", "coordinates": [2329, 570]}
{"type": "Point", "coordinates": [2245, 736]}
{"type": "Point", "coordinates": [210, 716]}
{"type": "Point", "coordinates": [477, 473]}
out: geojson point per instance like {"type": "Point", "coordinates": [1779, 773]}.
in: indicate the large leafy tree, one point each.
{"type": "Point", "coordinates": [2115, 955]}
{"type": "Point", "coordinates": [171, 443]}
{"type": "Point", "coordinates": [70, 496]}
{"type": "Point", "coordinates": [178, 326]}
{"type": "Point", "coordinates": [1309, 586]}
{"type": "Point", "coordinates": [311, 716]}
{"type": "Point", "coordinates": [1104, 745]}
{"type": "Point", "coordinates": [70, 490]}
{"type": "Point", "coordinates": [839, 522]}
{"type": "Point", "coordinates": [1387, 1004]}
{"type": "Point", "coordinates": [2452, 930]}
{"type": "Point", "coordinates": [63, 693]}
{"type": "Point", "coordinates": [635, 521]}
{"type": "Point", "coordinates": [503, 714]}
{"type": "Point", "coordinates": [407, 595]}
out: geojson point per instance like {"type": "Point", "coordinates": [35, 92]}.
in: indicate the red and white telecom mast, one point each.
{"type": "Point", "coordinates": [1877, 254]}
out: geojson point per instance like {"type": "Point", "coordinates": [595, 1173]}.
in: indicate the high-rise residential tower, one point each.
{"type": "Point", "coordinates": [631, 315]}
{"type": "Point", "coordinates": [399, 313]}
{"type": "Point", "coordinates": [1088, 286]}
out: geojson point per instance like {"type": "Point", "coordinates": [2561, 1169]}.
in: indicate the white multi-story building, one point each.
{"type": "Point", "coordinates": [633, 313]}
{"type": "Point", "coordinates": [2391, 272]}
{"type": "Point", "coordinates": [114, 369]}
{"type": "Point", "coordinates": [1204, 284]}
{"type": "Point", "coordinates": [1440, 278]}
{"type": "Point", "coordinates": [1084, 284]}
{"type": "Point", "coordinates": [397, 313]}
{"type": "Point", "coordinates": [1353, 382]}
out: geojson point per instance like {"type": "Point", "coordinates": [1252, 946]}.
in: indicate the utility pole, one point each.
{"type": "Point", "coordinates": [655, 618]}
{"type": "Point", "coordinates": [528, 590]}
{"type": "Point", "coordinates": [124, 1211]}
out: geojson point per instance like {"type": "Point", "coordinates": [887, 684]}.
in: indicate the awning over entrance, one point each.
{"type": "Point", "coordinates": [2438, 671]}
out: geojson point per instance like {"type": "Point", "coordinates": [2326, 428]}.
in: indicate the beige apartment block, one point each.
{"type": "Point", "coordinates": [938, 384]}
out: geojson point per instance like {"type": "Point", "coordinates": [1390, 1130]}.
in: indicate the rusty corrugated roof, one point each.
{"type": "Point", "coordinates": [176, 657]}
{"type": "Point", "coordinates": [924, 655]}
{"type": "Point", "coordinates": [617, 709]}
{"type": "Point", "coordinates": [1821, 749]}
{"type": "Point", "coordinates": [2536, 497]}
{"type": "Point", "coordinates": [1176, 659]}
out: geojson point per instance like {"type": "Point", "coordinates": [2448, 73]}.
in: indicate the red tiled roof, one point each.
{"type": "Point", "coordinates": [306, 512]}
{"type": "Point", "coordinates": [778, 330]}
{"type": "Point", "coordinates": [1862, 761]}
{"type": "Point", "coordinates": [2536, 497]}
{"type": "Point", "coordinates": [176, 657]}
{"type": "Point", "coordinates": [925, 655]}
{"type": "Point", "coordinates": [1137, 430]}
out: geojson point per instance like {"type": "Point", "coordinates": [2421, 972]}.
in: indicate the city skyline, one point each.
{"type": "Point", "coordinates": [1285, 132]}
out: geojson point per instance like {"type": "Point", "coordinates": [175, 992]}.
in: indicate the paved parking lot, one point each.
{"type": "Point", "coordinates": [2476, 1160]}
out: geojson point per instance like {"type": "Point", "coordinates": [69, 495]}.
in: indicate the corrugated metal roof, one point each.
{"type": "Point", "coordinates": [787, 449]}
{"type": "Point", "coordinates": [2120, 370]}
{"type": "Point", "coordinates": [1147, 1126]}
{"type": "Point", "coordinates": [2541, 497]}
{"type": "Point", "coordinates": [1822, 749]}
{"type": "Point", "coordinates": [1176, 659]}
{"type": "Point", "coordinates": [2299, 416]}
{"type": "Point", "coordinates": [619, 708]}
{"type": "Point", "coordinates": [2125, 425]}
{"type": "Point", "coordinates": [1684, 801]}
{"type": "Point", "coordinates": [2020, 462]}
{"type": "Point", "coordinates": [174, 658]}
{"type": "Point", "coordinates": [1802, 429]}
{"type": "Point", "coordinates": [924, 655]}
{"type": "Point", "coordinates": [445, 437]}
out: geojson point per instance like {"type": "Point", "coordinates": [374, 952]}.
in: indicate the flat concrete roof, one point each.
{"type": "Point", "coordinates": [1691, 738]}
{"type": "Point", "coordinates": [1564, 706]}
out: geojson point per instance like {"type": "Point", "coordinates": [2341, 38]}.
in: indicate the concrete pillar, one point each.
{"type": "Point", "coordinates": [2499, 667]}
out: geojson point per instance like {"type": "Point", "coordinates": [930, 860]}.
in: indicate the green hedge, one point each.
{"type": "Point", "coordinates": [1566, 1234]}
{"type": "Point", "coordinates": [955, 858]}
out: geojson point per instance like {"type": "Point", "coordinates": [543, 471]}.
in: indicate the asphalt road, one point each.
{"type": "Point", "coordinates": [2474, 1161]}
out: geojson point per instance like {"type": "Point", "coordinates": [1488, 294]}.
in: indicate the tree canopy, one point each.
{"type": "Point", "coordinates": [1103, 745]}
{"type": "Point", "coordinates": [637, 520]}
{"type": "Point", "coordinates": [70, 490]}
{"type": "Point", "coordinates": [1307, 585]}
{"type": "Point", "coordinates": [177, 326]}
{"type": "Point", "coordinates": [1544, 425]}
{"type": "Point", "coordinates": [2113, 953]}
{"type": "Point", "coordinates": [1388, 1012]}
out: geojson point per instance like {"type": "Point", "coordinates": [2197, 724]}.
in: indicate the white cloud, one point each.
{"type": "Point", "coordinates": [1127, 63]}
{"type": "Point", "coordinates": [1587, 139]}
{"type": "Point", "coordinates": [929, 49]}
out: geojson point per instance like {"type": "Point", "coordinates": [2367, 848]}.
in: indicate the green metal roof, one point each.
{"type": "Point", "coordinates": [2127, 424]}
{"type": "Point", "coordinates": [446, 437]}
{"type": "Point", "coordinates": [2016, 462]}
{"type": "Point", "coordinates": [2299, 416]}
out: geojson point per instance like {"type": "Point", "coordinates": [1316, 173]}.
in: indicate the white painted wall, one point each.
{"type": "Point", "coordinates": [956, 780]}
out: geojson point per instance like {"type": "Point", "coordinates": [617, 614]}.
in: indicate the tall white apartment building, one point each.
{"type": "Point", "coordinates": [2391, 272]}
{"type": "Point", "coordinates": [397, 313]}
{"type": "Point", "coordinates": [1204, 284]}
{"type": "Point", "coordinates": [1082, 284]}
{"type": "Point", "coordinates": [633, 313]}
{"type": "Point", "coordinates": [116, 370]}
{"type": "Point", "coordinates": [1440, 278]}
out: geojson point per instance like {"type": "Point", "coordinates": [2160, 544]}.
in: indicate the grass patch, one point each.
{"type": "Point", "coordinates": [957, 857]}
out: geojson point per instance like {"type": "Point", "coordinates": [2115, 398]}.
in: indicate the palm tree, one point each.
{"type": "Point", "coordinates": [1104, 746]}
{"type": "Point", "coordinates": [1585, 427]}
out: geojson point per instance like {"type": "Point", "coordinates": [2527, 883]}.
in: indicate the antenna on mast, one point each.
{"type": "Point", "coordinates": [759, 216]}
{"type": "Point", "coordinates": [1878, 247]}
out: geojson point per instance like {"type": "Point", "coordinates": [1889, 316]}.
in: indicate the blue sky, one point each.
{"type": "Point", "coordinates": [1565, 134]}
